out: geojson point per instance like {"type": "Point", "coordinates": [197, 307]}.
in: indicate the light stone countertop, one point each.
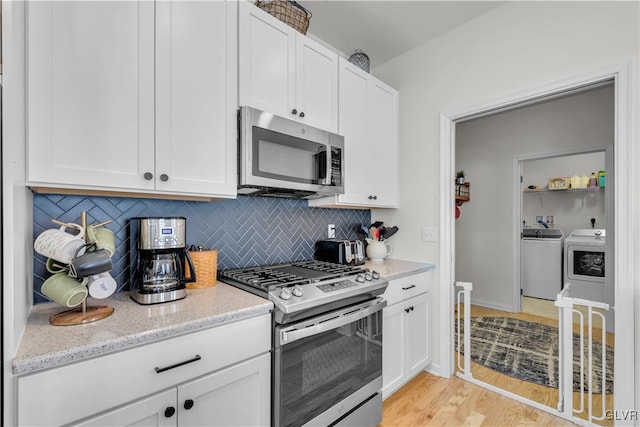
{"type": "Point", "coordinates": [45, 346]}
{"type": "Point", "coordinates": [392, 269]}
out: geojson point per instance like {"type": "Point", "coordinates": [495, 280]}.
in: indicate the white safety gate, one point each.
{"type": "Point", "coordinates": [567, 309]}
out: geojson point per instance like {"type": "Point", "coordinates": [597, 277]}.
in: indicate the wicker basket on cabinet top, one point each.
{"type": "Point", "coordinates": [289, 12]}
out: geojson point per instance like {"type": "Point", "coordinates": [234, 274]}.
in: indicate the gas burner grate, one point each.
{"type": "Point", "coordinates": [263, 278]}
{"type": "Point", "coordinates": [329, 267]}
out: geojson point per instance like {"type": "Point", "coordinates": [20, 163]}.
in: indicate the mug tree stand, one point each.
{"type": "Point", "coordinates": [83, 313]}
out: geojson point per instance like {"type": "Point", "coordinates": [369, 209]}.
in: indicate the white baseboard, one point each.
{"type": "Point", "coordinates": [433, 368]}
{"type": "Point", "coordinates": [488, 304]}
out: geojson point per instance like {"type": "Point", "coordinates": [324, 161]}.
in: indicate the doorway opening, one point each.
{"type": "Point", "coordinates": [623, 159]}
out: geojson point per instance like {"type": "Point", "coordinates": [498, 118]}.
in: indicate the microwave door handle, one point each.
{"type": "Point", "coordinates": [348, 316]}
{"type": "Point", "coordinates": [324, 174]}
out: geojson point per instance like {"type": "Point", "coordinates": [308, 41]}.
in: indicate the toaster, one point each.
{"type": "Point", "coordinates": [347, 252]}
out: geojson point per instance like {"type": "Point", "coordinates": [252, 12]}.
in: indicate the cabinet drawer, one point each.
{"type": "Point", "coordinates": [68, 393]}
{"type": "Point", "coordinates": [407, 287]}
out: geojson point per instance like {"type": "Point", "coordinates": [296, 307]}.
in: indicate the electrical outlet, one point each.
{"type": "Point", "coordinates": [429, 234]}
{"type": "Point", "coordinates": [331, 231]}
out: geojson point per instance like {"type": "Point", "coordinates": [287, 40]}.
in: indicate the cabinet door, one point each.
{"type": "Point", "coordinates": [393, 348]}
{"type": "Point", "coordinates": [316, 84]}
{"type": "Point", "coordinates": [418, 348]}
{"type": "Point", "coordinates": [266, 61]}
{"type": "Point", "coordinates": [196, 98]}
{"type": "Point", "coordinates": [236, 396]}
{"type": "Point", "coordinates": [353, 126]}
{"type": "Point", "coordinates": [368, 120]}
{"type": "Point", "coordinates": [90, 93]}
{"type": "Point", "coordinates": [157, 410]}
{"type": "Point", "coordinates": [382, 144]}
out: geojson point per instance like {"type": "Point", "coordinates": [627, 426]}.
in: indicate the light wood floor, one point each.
{"type": "Point", "coordinates": [429, 400]}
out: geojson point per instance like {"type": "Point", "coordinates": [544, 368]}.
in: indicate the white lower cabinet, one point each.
{"type": "Point", "coordinates": [232, 397]}
{"type": "Point", "coordinates": [406, 319]}
{"type": "Point", "coordinates": [219, 376]}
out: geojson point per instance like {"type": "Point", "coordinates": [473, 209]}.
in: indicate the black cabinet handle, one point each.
{"type": "Point", "coordinates": [294, 111]}
{"type": "Point", "coordinates": [411, 308]}
{"type": "Point", "coordinates": [375, 197]}
{"type": "Point", "coordinates": [166, 368]}
{"type": "Point", "coordinates": [188, 404]}
{"type": "Point", "coordinates": [164, 177]}
{"type": "Point", "coordinates": [302, 114]}
{"type": "Point", "coordinates": [406, 310]}
{"type": "Point", "coordinates": [408, 287]}
{"type": "Point", "coordinates": [169, 412]}
{"type": "Point", "coordinates": [148, 176]}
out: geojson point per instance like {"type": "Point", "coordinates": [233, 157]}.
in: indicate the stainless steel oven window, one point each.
{"type": "Point", "coordinates": [322, 361]}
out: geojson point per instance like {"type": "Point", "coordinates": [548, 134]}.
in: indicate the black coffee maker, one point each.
{"type": "Point", "coordinates": [158, 256]}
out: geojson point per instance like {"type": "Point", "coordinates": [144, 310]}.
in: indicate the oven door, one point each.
{"type": "Point", "coordinates": [329, 366]}
{"type": "Point", "coordinates": [586, 263]}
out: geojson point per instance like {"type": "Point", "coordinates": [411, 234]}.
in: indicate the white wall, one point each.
{"type": "Point", "coordinates": [513, 48]}
{"type": "Point", "coordinates": [486, 149]}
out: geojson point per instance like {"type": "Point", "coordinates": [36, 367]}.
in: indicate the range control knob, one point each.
{"type": "Point", "coordinates": [375, 275]}
{"type": "Point", "coordinates": [285, 294]}
{"type": "Point", "coordinates": [368, 276]}
{"type": "Point", "coordinates": [360, 278]}
{"type": "Point", "coordinates": [297, 291]}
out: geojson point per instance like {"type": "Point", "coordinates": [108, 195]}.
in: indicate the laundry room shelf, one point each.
{"type": "Point", "coordinates": [575, 191]}
{"type": "Point", "coordinates": [463, 193]}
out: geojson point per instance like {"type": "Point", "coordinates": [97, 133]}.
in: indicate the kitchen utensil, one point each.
{"type": "Point", "coordinates": [390, 232]}
{"type": "Point", "coordinates": [365, 230]}
{"type": "Point", "coordinates": [377, 224]}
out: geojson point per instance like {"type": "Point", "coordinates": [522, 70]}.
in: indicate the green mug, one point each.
{"type": "Point", "coordinates": [64, 289]}
{"type": "Point", "coordinates": [103, 238]}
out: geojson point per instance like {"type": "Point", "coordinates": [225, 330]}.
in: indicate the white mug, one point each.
{"type": "Point", "coordinates": [58, 244]}
{"type": "Point", "coordinates": [101, 285]}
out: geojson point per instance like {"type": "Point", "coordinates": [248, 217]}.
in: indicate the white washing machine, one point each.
{"type": "Point", "coordinates": [542, 262]}
{"type": "Point", "coordinates": [584, 264]}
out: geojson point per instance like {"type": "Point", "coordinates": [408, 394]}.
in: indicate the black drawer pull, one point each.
{"type": "Point", "coordinates": [408, 287]}
{"type": "Point", "coordinates": [195, 359]}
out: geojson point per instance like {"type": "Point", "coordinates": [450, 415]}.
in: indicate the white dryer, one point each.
{"type": "Point", "coordinates": [584, 264]}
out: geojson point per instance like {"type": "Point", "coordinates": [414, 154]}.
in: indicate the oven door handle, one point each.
{"type": "Point", "coordinates": [341, 318]}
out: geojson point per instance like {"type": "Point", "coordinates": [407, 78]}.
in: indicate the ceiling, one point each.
{"type": "Point", "coordinates": [386, 29]}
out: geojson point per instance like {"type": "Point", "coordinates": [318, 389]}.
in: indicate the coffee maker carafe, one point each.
{"type": "Point", "coordinates": [158, 252]}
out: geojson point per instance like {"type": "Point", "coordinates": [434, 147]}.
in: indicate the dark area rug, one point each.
{"type": "Point", "coordinates": [529, 352]}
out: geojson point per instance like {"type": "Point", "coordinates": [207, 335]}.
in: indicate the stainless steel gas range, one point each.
{"type": "Point", "coordinates": [327, 340]}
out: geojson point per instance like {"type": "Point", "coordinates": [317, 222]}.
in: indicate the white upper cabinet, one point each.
{"type": "Point", "coordinates": [369, 123]}
{"type": "Point", "coordinates": [284, 72]}
{"type": "Point", "coordinates": [133, 97]}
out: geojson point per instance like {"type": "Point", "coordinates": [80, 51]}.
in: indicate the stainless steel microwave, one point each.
{"type": "Point", "coordinates": [279, 157]}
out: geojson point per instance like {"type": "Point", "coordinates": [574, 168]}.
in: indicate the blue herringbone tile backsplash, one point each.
{"type": "Point", "coordinates": [246, 231]}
